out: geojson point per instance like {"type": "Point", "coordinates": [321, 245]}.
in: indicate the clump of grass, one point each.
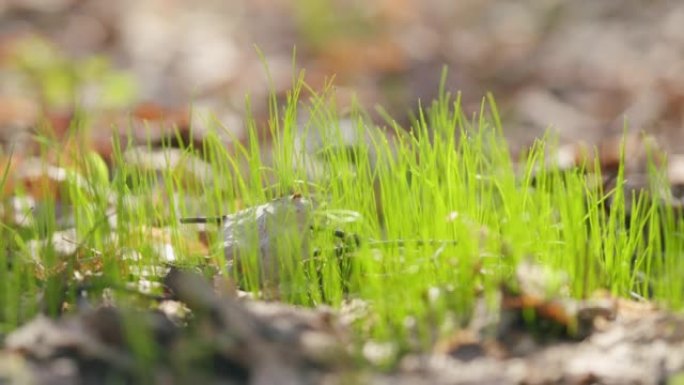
{"type": "Point", "coordinates": [442, 213]}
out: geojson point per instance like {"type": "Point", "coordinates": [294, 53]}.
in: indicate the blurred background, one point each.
{"type": "Point", "coordinates": [579, 67]}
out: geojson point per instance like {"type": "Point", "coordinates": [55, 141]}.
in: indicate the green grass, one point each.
{"type": "Point", "coordinates": [443, 212]}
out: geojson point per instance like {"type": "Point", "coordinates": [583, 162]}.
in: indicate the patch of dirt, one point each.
{"type": "Point", "coordinates": [201, 335]}
{"type": "Point", "coordinates": [215, 339]}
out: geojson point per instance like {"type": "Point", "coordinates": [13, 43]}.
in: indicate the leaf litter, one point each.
{"type": "Point", "coordinates": [248, 342]}
{"type": "Point", "coordinates": [200, 333]}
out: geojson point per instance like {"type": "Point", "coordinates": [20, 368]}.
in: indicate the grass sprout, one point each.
{"type": "Point", "coordinates": [419, 222]}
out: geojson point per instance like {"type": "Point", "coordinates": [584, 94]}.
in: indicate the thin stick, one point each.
{"type": "Point", "coordinates": [212, 220]}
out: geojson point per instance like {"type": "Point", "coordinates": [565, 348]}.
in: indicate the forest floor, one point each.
{"type": "Point", "coordinates": [87, 84]}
